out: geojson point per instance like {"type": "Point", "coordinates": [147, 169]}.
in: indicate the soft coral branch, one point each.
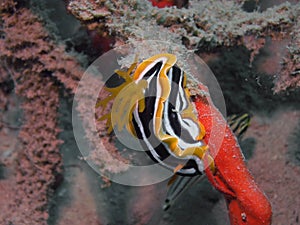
{"type": "Point", "coordinates": [246, 202]}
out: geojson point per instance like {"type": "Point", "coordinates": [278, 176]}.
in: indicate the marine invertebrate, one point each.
{"type": "Point", "coordinates": [38, 162]}
{"type": "Point", "coordinates": [168, 3]}
{"type": "Point", "coordinates": [162, 4]}
{"type": "Point", "coordinates": [38, 67]}
{"type": "Point", "coordinates": [162, 117]}
{"type": "Point", "coordinates": [154, 104]}
{"type": "Point", "coordinates": [246, 203]}
{"type": "Point", "coordinates": [27, 49]}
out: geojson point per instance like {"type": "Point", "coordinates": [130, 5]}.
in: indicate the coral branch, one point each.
{"type": "Point", "coordinates": [205, 25]}
{"type": "Point", "coordinates": [289, 76]}
{"type": "Point", "coordinates": [35, 64]}
{"type": "Point", "coordinates": [39, 67]}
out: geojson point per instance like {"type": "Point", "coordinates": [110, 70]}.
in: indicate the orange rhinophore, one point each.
{"type": "Point", "coordinates": [247, 204]}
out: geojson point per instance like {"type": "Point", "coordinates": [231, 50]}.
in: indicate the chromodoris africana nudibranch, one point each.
{"type": "Point", "coordinates": [153, 104]}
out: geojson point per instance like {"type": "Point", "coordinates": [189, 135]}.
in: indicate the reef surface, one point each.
{"type": "Point", "coordinates": [252, 51]}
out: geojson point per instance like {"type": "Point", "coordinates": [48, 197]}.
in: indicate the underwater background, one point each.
{"type": "Point", "coordinates": [253, 49]}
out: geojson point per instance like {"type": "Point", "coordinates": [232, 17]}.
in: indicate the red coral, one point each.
{"type": "Point", "coordinates": [246, 203]}
{"type": "Point", "coordinates": [168, 3]}
{"type": "Point", "coordinates": [162, 3]}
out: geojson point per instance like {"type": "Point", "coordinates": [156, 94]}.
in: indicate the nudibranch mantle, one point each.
{"type": "Point", "coordinates": [153, 104]}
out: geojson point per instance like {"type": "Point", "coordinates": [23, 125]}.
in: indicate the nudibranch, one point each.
{"type": "Point", "coordinates": [154, 104]}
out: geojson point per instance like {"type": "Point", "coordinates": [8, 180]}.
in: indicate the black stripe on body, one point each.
{"type": "Point", "coordinates": [146, 119]}
{"type": "Point", "coordinates": [143, 122]}
{"type": "Point", "coordinates": [177, 102]}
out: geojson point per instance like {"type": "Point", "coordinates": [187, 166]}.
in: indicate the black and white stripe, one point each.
{"type": "Point", "coordinates": [185, 130]}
